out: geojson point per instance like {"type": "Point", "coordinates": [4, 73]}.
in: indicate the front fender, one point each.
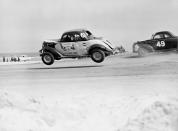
{"type": "Point", "coordinates": [54, 51]}
{"type": "Point", "coordinates": [146, 47]}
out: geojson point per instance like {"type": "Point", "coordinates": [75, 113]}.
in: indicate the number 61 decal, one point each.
{"type": "Point", "coordinates": [160, 44]}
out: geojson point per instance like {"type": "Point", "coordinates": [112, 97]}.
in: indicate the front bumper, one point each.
{"type": "Point", "coordinates": [41, 52]}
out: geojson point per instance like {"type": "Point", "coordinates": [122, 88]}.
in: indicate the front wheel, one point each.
{"type": "Point", "coordinates": [97, 55]}
{"type": "Point", "coordinates": [47, 58]}
{"type": "Point", "coordinates": [142, 52]}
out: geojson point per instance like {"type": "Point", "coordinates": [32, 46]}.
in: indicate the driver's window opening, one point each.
{"type": "Point", "coordinates": [167, 36]}
{"type": "Point", "coordinates": [83, 36]}
{"type": "Point", "coordinates": [158, 36]}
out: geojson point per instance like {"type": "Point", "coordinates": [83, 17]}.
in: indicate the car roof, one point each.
{"type": "Point", "coordinates": [75, 30]}
{"type": "Point", "coordinates": [163, 32]}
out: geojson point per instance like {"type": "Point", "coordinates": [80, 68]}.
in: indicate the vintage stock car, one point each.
{"type": "Point", "coordinates": [76, 44]}
{"type": "Point", "coordinates": [160, 42]}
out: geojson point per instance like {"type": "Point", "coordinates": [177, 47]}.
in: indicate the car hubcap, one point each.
{"type": "Point", "coordinates": [97, 56]}
{"type": "Point", "coordinates": [47, 58]}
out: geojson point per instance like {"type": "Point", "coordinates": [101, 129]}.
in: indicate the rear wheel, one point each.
{"type": "Point", "coordinates": [97, 55]}
{"type": "Point", "coordinates": [47, 58]}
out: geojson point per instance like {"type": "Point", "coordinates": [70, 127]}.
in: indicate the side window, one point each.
{"type": "Point", "coordinates": [158, 36]}
{"type": "Point", "coordinates": [77, 37]}
{"type": "Point", "coordinates": [72, 39]}
{"type": "Point", "coordinates": [67, 38]}
{"type": "Point", "coordinates": [80, 37]}
{"type": "Point", "coordinates": [167, 36]}
{"type": "Point", "coordinates": [83, 36]}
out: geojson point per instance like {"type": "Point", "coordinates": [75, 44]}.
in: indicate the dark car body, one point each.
{"type": "Point", "coordinates": [160, 41]}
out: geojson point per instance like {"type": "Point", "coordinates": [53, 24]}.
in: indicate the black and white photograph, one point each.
{"type": "Point", "coordinates": [88, 65]}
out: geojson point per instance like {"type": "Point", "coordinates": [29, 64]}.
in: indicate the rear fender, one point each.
{"type": "Point", "coordinates": [97, 46]}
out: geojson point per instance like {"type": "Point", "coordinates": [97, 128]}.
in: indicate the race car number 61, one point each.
{"type": "Point", "coordinates": [160, 44]}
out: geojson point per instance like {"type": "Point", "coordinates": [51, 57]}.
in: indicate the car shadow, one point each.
{"type": "Point", "coordinates": [66, 67]}
{"type": "Point", "coordinates": [136, 56]}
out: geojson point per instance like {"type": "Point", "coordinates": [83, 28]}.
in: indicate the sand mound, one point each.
{"type": "Point", "coordinates": [18, 113]}
{"type": "Point", "coordinates": [160, 116]}
{"type": "Point", "coordinates": [22, 113]}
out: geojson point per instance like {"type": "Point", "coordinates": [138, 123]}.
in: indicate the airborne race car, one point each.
{"type": "Point", "coordinates": [160, 42]}
{"type": "Point", "coordinates": [75, 44]}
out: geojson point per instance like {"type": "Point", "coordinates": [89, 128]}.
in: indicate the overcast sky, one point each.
{"type": "Point", "coordinates": [24, 24]}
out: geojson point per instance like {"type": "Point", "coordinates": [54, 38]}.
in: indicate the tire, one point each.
{"type": "Point", "coordinates": [47, 58]}
{"type": "Point", "coordinates": [97, 55]}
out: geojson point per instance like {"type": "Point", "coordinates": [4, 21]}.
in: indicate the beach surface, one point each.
{"type": "Point", "coordinates": [124, 93]}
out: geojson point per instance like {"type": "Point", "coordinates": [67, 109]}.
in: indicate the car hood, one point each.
{"type": "Point", "coordinates": [52, 40]}
{"type": "Point", "coordinates": [98, 38]}
{"type": "Point", "coordinates": [144, 41]}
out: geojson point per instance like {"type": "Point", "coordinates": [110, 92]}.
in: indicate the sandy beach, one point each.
{"type": "Point", "coordinates": [124, 93]}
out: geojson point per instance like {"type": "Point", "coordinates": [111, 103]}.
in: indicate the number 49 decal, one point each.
{"type": "Point", "coordinates": [160, 44]}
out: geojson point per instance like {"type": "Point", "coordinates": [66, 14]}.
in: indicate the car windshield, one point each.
{"type": "Point", "coordinates": [89, 35]}
{"type": "Point", "coordinates": [158, 36]}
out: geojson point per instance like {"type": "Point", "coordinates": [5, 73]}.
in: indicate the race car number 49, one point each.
{"type": "Point", "coordinates": [160, 44]}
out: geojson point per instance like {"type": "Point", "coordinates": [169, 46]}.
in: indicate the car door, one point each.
{"type": "Point", "coordinates": [160, 42]}
{"type": "Point", "coordinates": [81, 44]}
{"type": "Point", "coordinates": [68, 45]}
